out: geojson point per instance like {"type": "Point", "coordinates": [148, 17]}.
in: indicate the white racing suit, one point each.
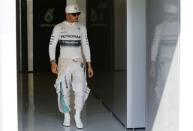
{"type": "Point", "coordinates": [163, 47]}
{"type": "Point", "coordinates": [73, 76]}
{"type": "Point", "coordinates": [74, 47]}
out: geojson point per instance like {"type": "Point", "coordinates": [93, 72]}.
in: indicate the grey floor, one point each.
{"type": "Point", "coordinates": [38, 108]}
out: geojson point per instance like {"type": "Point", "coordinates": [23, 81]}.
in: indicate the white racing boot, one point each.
{"type": "Point", "coordinates": [78, 121]}
{"type": "Point", "coordinates": [66, 119]}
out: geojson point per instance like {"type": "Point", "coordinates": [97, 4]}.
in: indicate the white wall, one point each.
{"type": "Point", "coordinates": [162, 112]}
{"type": "Point", "coordinates": [169, 103]}
{"type": "Point", "coordinates": [8, 79]}
{"type": "Point", "coordinates": [186, 64]}
{"type": "Point", "coordinates": [136, 63]}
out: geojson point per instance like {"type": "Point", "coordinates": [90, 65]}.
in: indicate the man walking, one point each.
{"type": "Point", "coordinates": [70, 70]}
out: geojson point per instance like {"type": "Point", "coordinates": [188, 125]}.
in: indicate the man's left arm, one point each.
{"type": "Point", "coordinates": [86, 52]}
{"type": "Point", "coordinates": [90, 70]}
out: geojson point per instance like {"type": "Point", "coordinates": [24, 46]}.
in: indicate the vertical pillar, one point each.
{"type": "Point", "coordinates": [136, 63]}
{"type": "Point", "coordinates": [8, 80]}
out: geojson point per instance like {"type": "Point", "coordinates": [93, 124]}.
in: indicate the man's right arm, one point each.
{"type": "Point", "coordinates": [54, 68]}
{"type": "Point", "coordinates": [155, 50]}
{"type": "Point", "coordinates": [52, 48]}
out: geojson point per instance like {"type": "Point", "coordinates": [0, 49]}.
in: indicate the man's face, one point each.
{"type": "Point", "coordinates": [72, 17]}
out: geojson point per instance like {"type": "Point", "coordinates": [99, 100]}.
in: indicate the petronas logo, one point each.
{"type": "Point", "coordinates": [49, 16]}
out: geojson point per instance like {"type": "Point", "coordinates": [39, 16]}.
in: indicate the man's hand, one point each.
{"type": "Point", "coordinates": [90, 70]}
{"type": "Point", "coordinates": [54, 68]}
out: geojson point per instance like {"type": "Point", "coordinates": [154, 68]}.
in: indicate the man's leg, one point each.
{"type": "Point", "coordinates": [66, 94]}
{"type": "Point", "coordinates": [78, 83]}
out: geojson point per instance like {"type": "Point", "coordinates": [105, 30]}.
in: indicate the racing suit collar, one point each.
{"type": "Point", "coordinates": [70, 24]}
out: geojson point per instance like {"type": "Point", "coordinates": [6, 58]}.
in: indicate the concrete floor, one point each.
{"type": "Point", "coordinates": [38, 108]}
